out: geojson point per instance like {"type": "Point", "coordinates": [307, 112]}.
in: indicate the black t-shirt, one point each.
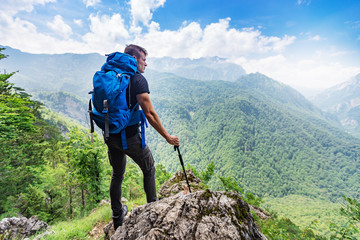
{"type": "Point", "coordinates": [138, 84]}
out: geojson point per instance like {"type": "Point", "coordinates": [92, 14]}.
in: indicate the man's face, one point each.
{"type": "Point", "coordinates": [141, 62]}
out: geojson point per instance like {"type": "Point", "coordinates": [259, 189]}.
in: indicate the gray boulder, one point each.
{"type": "Point", "coordinates": [20, 227]}
{"type": "Point", "coordinates": [203, 214]}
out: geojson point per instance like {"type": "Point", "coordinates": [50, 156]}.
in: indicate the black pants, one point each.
{"type": "Point", "coordinates": [117, 157]}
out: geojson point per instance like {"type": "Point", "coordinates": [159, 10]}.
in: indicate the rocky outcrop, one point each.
{"type": "Point", "coordinates": [20, 227]}
{"type": "Point", "coordinates": [200, 215]}
{"type": "Point", "coordinates": [177, 184]}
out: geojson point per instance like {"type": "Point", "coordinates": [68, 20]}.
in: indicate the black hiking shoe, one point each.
{"type": "Point", "coordinates": [118, 220]}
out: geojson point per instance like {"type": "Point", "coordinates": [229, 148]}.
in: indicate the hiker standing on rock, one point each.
{"type": "Point", "coordinates": [139, 93]}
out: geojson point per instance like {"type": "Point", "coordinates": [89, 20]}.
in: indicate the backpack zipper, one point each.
{"type": "Point", "coordinates": [129, 86]}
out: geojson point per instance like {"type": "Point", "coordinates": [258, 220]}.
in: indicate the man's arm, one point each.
{"type": "Point", "coordinates": [149, 111]}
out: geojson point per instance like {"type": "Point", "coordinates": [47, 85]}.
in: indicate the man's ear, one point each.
{"type": "Point", "coordinates": [135, 57]}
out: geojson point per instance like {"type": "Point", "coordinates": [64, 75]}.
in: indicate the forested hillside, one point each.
{"type": "Point", "coordinates": [25, 138]}
{"type": "Point", "coordinates": [270, 145]}
{"type": "Point", "coordinates": [256, 131]}
{"type": "Point", "coordinates": [66, 103]}
{"type": "Point", "coordinates": [264, 134]}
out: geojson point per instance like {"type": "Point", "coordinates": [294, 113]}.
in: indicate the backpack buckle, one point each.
{"type": "Point", "coordinates": [106, 106]}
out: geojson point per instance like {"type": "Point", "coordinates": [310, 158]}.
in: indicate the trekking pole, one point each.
{"type": "Point", "coordinates": [182, 164]}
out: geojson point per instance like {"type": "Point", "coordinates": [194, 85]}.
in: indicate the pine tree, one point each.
{"type": "Point", "coordinates": [23, 140]}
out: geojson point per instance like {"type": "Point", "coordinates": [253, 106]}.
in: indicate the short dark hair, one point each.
{"type": "Point", "coordinates": [134, 50]}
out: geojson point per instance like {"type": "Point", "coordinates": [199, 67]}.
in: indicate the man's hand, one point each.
{"type": "Point", "coordinates": [173, 140]}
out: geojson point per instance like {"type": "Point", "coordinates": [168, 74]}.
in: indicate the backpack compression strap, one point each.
{"type": "Point", "coordinates": [91, 114]}
{"type": "Point", "coordinates": [106, 110]}
{"type": "Point", "coordinates": [137, 116]}
{"type": "Point", "coordinates": [143, 124]}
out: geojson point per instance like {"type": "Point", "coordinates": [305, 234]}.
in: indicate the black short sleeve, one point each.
{"type": "Point", "coordinates": [138, 85]}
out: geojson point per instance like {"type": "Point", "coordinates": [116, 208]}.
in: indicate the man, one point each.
{"type": "Point", "coordinates": [139, 93]}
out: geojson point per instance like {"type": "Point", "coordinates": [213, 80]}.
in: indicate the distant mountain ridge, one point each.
{"type": "Point", "coordinates": [274, 89]}
{"type": "Point", "coordinates": [343, 100]}
{"type": "Point", "coordinates": [52, 72]}
{"type": "Point", "coordinates": [211, 68]}
{"type": "Point", "coordinates": [65, 103]}
{"type": "Point", "coordinates": [73, 72]}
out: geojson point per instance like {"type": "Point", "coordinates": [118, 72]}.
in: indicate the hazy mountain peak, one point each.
{"type": "Point", "coordinates": [209, 68]}
{"type": "Point", "coordinates": [344, 101]}
{"type": "Point", "coordinates": [353, 82]}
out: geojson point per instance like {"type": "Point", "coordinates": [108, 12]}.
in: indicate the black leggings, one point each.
{"type": "Point", "coordinates": [117, 157]}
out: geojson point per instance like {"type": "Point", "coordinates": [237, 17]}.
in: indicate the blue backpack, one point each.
{"type": "Point", "coordinates": [108, 107]}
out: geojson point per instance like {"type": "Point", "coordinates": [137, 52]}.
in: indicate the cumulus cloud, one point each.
{"type": "Point", "coordinates": [13, 29]}
{"type": "Point", "coordinates": [216, 39]}
{"type": "Point", "coordinates": [110, 32]}
{"type": "Point", "coordinates": [91, 3]}
{"type": "Point", "coordinates": [59, 27]}
{"type": "Point", "coordinates": [249, 47]}
{"type": "Point", "coordinates": [107, 33]}
{"type": "Point", "coordinates": [11, 7]}
{"type": "Point", "coordinates": [141, 10]}
{"type": "Point", "coordinates": [16, 29]}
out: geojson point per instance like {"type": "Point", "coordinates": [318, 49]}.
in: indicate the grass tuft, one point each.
{"type": "Point", "coordinates": [80, 228]}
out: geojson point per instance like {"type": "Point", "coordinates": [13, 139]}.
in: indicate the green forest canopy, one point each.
{"type": "Point", "coordinates": [270, 143]}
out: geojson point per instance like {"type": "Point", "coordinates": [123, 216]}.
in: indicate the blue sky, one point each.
{"type": "Point", "coordinates": [303, 43]}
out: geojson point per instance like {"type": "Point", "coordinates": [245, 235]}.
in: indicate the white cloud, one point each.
{"type": "Point", "coordinates": [16, 30]}
{"type": "Point", "coordinates": [91, 3]}
{"type": "Point", "coordinates": [311, 37]}
{"type": "Point", "coordinates": [180, 43]}
{"type": "Point", "coordinates": [107, 33]}
{"type": "Point", "coordinates": [78, 22]}
{"type": "Point", "coordinates": [248, 47]}
{"type": "Point", "coordinates": [11, 7]}
{"type": "Point", "coordinates": [216, 39]}
{"type": "Point", "coordinates": [308, 73]}
{"type": "Point", "coordinates": [59, 27]}
{"type": "Point", "coordinates": [305, 2]}
{"type": "Point", "coordinates": [315, 38]}
{"type": "Point", "coordinates": [141, 10]}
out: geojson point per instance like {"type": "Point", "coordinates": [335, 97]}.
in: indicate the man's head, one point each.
{"type": "Point", "coordinates": [139, 53]}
